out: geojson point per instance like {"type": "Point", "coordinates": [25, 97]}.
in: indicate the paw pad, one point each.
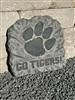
{"type": "Point", "coordinates": [28, 34]}
{"type": "Point", "coordinates": [35, 46]}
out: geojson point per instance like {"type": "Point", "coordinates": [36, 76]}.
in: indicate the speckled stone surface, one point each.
{"type": "Point", "coordinates": [35, 45]}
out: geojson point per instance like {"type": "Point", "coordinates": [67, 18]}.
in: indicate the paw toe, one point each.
{"type": "Point", "coordinates": [49, 43]}
{"type": "Point", "coordinates": [38, 28]}
{"type": "Point", "coordinates": [47, 32]}
{"type": "Point", "coordinates": [28, 33]}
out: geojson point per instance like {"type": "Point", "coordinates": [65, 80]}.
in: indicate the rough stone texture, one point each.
{"type": "Point", "coordinates": [0, 24]}
{"type": "Point", "coordinates": [7, 19]}
{"type": "Point", "coordinates": [35, 52]}
{"type": "Point", "coordinates": [51, 85]}
{"type": "Point", "coordinates": [63, 3]}
{"type": "Point", "coordinates": [69, 44]}
{"type": "Point", "coordinates": [24, 5]}
{"type": "Point", "coordinates": [64, 16]}
{"type": "Point", "coordinates": [3, 47]}
{"type": "Point", "coordinates": [3, 65]}
{"type": "Point", "coordinates": [9, 5]}
{"type": "Point", "coordinates": [74, 16]}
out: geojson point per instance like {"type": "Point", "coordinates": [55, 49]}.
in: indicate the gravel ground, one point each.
{"type": "Point", "coordinates": [52, 85]}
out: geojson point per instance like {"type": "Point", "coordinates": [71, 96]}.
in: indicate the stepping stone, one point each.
{"type": "Point", "coordinates": [35, 45]}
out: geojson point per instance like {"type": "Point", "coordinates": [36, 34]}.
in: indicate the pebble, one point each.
{"type": "Point", "coordinates": [51, 85]}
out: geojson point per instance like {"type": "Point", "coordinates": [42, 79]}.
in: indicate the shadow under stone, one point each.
{"type": "Point", "coordinates": [8, 53]}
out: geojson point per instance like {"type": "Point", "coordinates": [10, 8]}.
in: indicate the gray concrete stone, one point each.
{"type": "Point", "coordinates": [31, 49]}
{"type": "Point", "coordinates": [69, 37]}
{"type": "Point", "coordinates": [64, 16]}
{"type": "Point", "coordinates": [7, 19]}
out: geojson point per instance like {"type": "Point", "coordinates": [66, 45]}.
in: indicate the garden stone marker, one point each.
{"type": "Point", "coordinates": [35, 45]}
